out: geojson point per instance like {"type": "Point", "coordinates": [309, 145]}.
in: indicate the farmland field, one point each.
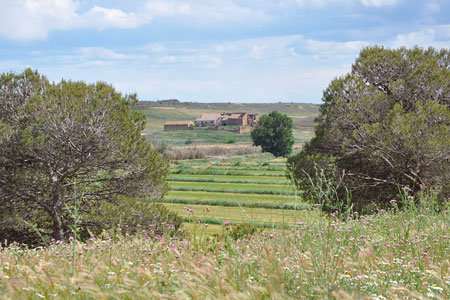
{"type": "Point", "coordinates": [295, 252]}
{"type": "Point", "coordinates": [249, 189]}
{"type": "Point", "coordinates": [236, 188]}
{"type": "Point", "coordinates": [158, 113]}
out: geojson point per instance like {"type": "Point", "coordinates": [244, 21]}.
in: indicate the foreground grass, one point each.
{"type": "Point", "coordinates": [384, 256]}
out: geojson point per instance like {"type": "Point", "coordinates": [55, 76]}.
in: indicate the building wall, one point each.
{"type": "Point", "coordinates": [252, 120]}
{"type": "Point", "coordinates": [235, 119]}
{"type": "Point", "coordinates": [177, 127]}
{"type": "Point", "coordinates": [206, 123]}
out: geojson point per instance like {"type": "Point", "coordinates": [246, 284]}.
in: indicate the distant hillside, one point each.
{"type": "Point", "coordinates": [303, 114]}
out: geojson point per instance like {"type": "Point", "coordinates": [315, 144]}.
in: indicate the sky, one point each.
{"type": "Point", "coordinates": [211, 50]}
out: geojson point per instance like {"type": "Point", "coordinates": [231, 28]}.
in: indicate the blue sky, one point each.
{"type": "Point", "coordinates": [208, 50]}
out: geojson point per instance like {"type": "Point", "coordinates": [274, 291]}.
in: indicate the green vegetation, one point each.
{"type": "Point", "coordinates": [230, 187]}
{"type": "Point", "coordinates": [232, 226]}
{"type": "Point", "coordinates": [158, 113]}
{"type": "Point", "coordinates": [384, 126]}
{"type": "Point", "coordinates": [242, 214]}
{"type": "Point", "coordinates": [388, 255]}
{"type": "Point", "coordinates": [274, 134]}
{"type": "Point", "coordinates": [64, 148]}
{"type": "Point", "coordinates": [235, 197]}
{"type": "Point", "coordinates": [230, 179]}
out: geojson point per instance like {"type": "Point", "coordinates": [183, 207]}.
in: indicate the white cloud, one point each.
{"type": "Point", "coordinates": [437, 36]}
{"type": "Point", "coordinates": [335, 50]}
{"type": "Point", "coordinates": [323, 3]}
{"type": "Point", "coordinates": [199, 60]}
{"type": "Point", "coordinates": [100, 17]}
{"type": "Point", "coordinates": [379, 3]}
{"type": "Point", "coordinates": [35, 19]}
{"type": "Point", "coordinates": [90, 52]}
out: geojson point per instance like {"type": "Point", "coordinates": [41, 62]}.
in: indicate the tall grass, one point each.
{"type": "Point", "coordinates": [195, 152]}
{"type": "Point", "coordinates": [402, 255]}
{"type": "Point", "coordinates": [224, 172]}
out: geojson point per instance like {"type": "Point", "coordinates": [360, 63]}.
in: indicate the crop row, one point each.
{"type": "Point", "coordinates": [230, 173]}
{"type": "Point", "coordinates": [289, 206]}
{"type": "Point", "coordinates": [233, 197]}
{"type": "Point", "coordinates": [265, 179]}
{"type": "Point", "coordinates": [225, 190]}
{"type": "Point", "coordinates": [225, 180]}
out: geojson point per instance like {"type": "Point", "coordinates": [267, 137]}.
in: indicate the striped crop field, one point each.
{"type": "Point", "coordinates": [240, 189]}
{"type": "Point", "coordinates": [233, 197]}
{"type": "Point", "coordinates": [231, 187]}
{"type": "Point", "coordinates": [229, 179]}
{"type": "Point", "coordinates": [243, 214]}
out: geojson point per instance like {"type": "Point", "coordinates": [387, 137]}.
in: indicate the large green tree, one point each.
{"type": "Point", "coordinates": [70, 145]}
{"type": "Point", "coordinates": [384, 125]}
{"type": "Point", "coordinates": [274, 134]}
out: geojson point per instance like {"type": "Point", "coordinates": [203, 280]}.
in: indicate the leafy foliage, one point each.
{"type": "Point", "coordinates": [274, 134]}
{"type": "Point", "coordinates": [386, 124]}
{"type": "Point", "coordinates": [70, 144]}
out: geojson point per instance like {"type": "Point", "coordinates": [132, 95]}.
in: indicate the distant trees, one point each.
{"type": "Point", "coordinates": [274, 134]}
{"type": "Point", "coordinates": [383, 126]}
{"type": "Point", "coordinates": [64, 148]}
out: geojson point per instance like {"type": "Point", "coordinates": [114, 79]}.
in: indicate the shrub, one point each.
{"type": "Point", "coordinates": [274, 134]}
{"type": "Point", "coordinates": [69, 144]}
{"type": "Point", "coordinates": [133, 215]}
{"type": "Point", "coordinates": [384, 125]}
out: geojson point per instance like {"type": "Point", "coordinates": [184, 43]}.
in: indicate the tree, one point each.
{"type": "Point", "coordinates": [70, 145]}
{"type": "Point", "coordinates": [274, 134]}
{"type": "Point", "coordinates": [384, 125]}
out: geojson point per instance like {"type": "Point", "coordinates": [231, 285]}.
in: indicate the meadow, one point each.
{"type": "Point", "coordinates": [387, 255]}
{"type": "Point", "coordinates": [247, 234]}
{"type": "Point", "coordinates": [159, 112]}
{"type": "Point", "coordinates": [236, 189]}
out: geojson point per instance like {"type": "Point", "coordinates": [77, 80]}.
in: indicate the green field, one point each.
{"type": "Point", "coordinates": [232, 197]}
{"type": "Point", "coordinates": [158, 113]}
{"type": "Point", "coordinates": [243, 214]}
{"type": "Point", "coordinates": [237, 189]}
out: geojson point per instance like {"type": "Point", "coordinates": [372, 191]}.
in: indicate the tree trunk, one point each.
{"type": "Point", "coordinates": [58, 233]}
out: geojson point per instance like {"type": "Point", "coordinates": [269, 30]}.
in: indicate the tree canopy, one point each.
{"type": "Point", "coordinates": [384, 125]}
{"type": "Point", "coordinates": [70, 145]}
{"type": "Point", "coordinates": [274, 134]}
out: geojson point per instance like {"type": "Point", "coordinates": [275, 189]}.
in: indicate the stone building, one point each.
{"type": "Point", "coordinates": [228, 119]}
{"type": "Point", "coordinates": [208, 120]}
{"type": "Point", "coordinates": [252, 120]}
{"type": "Point", "coordinates": [179, 125]}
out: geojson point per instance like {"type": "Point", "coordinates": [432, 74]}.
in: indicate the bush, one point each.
{"type": "Point", "coordinates": [385, 125]}
{"type": "Point", "coordinates": [69, 144]}
{"type": "Point", "coordinates": [133, 215]}
{"type": "Point", "coordinates": [274, 134]}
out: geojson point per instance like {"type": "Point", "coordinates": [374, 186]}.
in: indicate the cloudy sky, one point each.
{"type": "Point", "coordinates": [211, 50]}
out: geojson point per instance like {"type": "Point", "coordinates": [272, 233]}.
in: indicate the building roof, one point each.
{"type": "Point", "coordinates": [236, 116]}
{"type": "Point", "coordinates": [209, 117]}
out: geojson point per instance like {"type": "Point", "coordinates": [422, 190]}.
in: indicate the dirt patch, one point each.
{"type": "Point", "coordinates": [298, 117]}
{"type": "Point", "coordinates": [225, 146]}
{"type": "Point", "coordinates": [162, 107]}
